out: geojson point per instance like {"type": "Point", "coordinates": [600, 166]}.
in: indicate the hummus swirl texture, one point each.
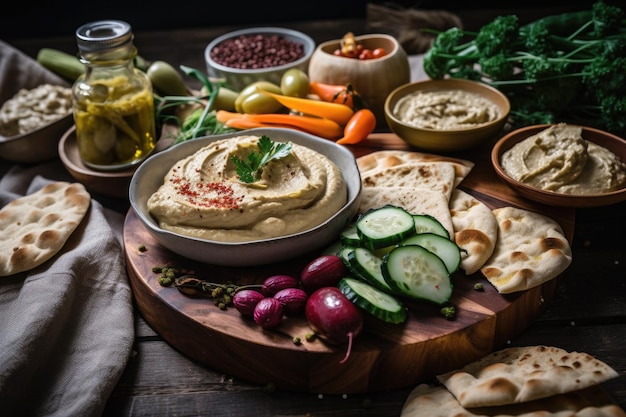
{"type": "Point", "coordinates": [559, 159]}
{"type": "Point", "coordinates": [445, 109]}
{"type": "Point", "coordinates": [202, 197]}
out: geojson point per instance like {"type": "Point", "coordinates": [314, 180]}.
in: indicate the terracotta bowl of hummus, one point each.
{"type": "Point", "coordinates": [446, 115]}
{"type": "Point", "coordinates": [194, 200]}
{"type": "Point", "coordinates": [563, 165]}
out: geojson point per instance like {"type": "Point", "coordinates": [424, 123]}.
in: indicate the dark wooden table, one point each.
{"type": "Point", "coordinates": [587, 314]}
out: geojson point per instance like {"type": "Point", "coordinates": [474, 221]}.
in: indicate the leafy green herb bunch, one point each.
{"type": "Point", "coordinates": [568, 67]}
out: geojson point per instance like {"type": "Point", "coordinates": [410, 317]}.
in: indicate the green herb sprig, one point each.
{"type": "Point", "coordinates": [249, 170]}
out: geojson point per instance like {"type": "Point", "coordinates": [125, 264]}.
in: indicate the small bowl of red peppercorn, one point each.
{"type": "Point", "coordinates": [245, 56]}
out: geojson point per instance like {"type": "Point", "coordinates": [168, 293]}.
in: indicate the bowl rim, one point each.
{"type": "Point", "coordinates": [306, 40]}
{"type": "Point", "coordinates": [438, 84]}
{"type": "Point", "coordinates": [353, 197]}
{"type": "Point", "coordinates": [63, 119]}
{"type": "Point", "coordinates": [69, 139]}
{"type": "Point", "coordinates": [515, 136]}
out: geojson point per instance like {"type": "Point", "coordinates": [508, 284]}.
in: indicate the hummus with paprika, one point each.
{"type": "Point", "coordinates": [559, 159]}
{"type": "Point", "coordinates": [202, 195]}
{"type": "Point", "coordinates": [445, 109]}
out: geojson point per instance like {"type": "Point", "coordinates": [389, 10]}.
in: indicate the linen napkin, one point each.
{"type": "Point", "coordinates": [66, 327]}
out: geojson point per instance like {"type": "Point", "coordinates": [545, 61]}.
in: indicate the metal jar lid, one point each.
{"type": "Point", "coordinates": [103, 35]}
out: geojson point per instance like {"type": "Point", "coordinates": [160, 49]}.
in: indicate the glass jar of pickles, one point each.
{"type": "Point", "coordinates": [112, 101]}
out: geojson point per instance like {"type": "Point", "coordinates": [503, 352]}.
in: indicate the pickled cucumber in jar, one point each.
{"type": "Point", "coordinates": [115, 125]}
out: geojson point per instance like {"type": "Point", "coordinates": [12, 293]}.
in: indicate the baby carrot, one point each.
{"type": "Point", "coordinates": [224, 115]}
{"type": "Point", "coordinates": [318, 126]}
{"type": "Point", "coordinates": [337, 112]}
{"type": "Point", "coordinates": [243, 123]}
{"type": "Point", "coordinates": [333, 93]}
{"type": "Point", "coordinates": [358, 127]}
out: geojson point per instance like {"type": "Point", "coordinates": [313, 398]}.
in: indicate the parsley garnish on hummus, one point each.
{"type": "Point", "coordinates": [250, 170]}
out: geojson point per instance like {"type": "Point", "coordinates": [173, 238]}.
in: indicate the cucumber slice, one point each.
{"type": "Point", "coordinates": [446, 249]}
{"type": "Point", "coordinates": [374, 301]}
{"type": "Point", "coordinates": [367, 265]}
{"type": "Point", "coordinates": [385, 226]}
{"type": "Point", "coordinates": [349, 236]}
{"type": "Point", "coordinates": [344, 254]}
{"type": "Point", "coordinates": [425, 223]}
{"type": "Point", "coordinates": [414, 271]}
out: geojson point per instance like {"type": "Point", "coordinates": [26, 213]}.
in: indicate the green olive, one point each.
{"type": "Point", "coordinates": [166, 80]}
{"type": "Point", "coordinates": [90, 153]}
{"type": "Point", "coordinates": [125, 148]}
{"type": "Point", "coordinates": [264, 101]}
{"type": "Point", "coordinates": [295, 83]}
{"type": "Point", "coordinates": [225, 99]}
{"type": "Point", "coordinates": [257, 103]}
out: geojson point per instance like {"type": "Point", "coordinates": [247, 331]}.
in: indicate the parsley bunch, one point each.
{"type": "Point", "coordinates": [249, 170]}
{"type": "Point", "coordinates": [568, 67]}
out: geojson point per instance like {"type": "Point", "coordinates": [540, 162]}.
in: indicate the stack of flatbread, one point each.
{"type": "Point", "coordinates": [533, 381]}
{"type": "Point", "coordinates": [514, 249]}
{"type": "Point", "coordinates": [33, 228]}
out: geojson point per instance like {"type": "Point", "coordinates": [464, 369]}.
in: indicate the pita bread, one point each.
{"type": "Point", "coordinates": [436, 176]}
{"type": "Point", "coordinates": [414, 200]}
{"type": "Point", "coordinates": [531, 249]}
{"type": "Point", "coordinates": [521, 374]}
{"type": "Point", "coordinates": [390, 158]}
{"type": "Point", "coordinates": [33, 228]}
{"type": "Point", "coordinates": [436, 401]}
{"type": "Point", "coordinates": [475, 229]}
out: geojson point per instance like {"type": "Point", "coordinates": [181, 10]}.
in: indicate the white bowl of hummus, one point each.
{"type": "Point", "coordinates": [563, 164]}
{"type": "Point", "coordinates": [194, 198]}
{"type": "Point", "coordinates": [446, 115]}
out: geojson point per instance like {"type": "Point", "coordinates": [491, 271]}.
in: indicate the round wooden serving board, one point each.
{"type": "Point", "coordinates": [385, 356]}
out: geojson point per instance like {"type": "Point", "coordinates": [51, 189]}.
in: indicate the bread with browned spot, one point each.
{"type": "Point", "coordinates": [522, 374]}
{"type": "Point", "coordinates": [33, 228]}
{"type": "Point", "coordinates": [436, 401]}
{"type": "Point", "coordinates": [436, 176]}
{"type": "Point", "coordinates": [475, 229]}
{"type": "Point", "coordinates": [384, 159]}
{"type": "Point", "coordinates": [531, 249]}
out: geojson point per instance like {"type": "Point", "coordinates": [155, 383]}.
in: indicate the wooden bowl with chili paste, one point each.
{"type": "Point", "coordinates": [613, 143]}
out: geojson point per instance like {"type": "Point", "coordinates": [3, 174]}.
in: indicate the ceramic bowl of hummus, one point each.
{"type": "Point", "coordinates": [197, 199]}
{"type": "Point", "coordinates": [35, 108]}
{"type": "Point", "coordinates": [32, 120]}
{"type": "Point", "coordinates": [446, 115]}
{"type": "Point", "coordinates": [563, 165]}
